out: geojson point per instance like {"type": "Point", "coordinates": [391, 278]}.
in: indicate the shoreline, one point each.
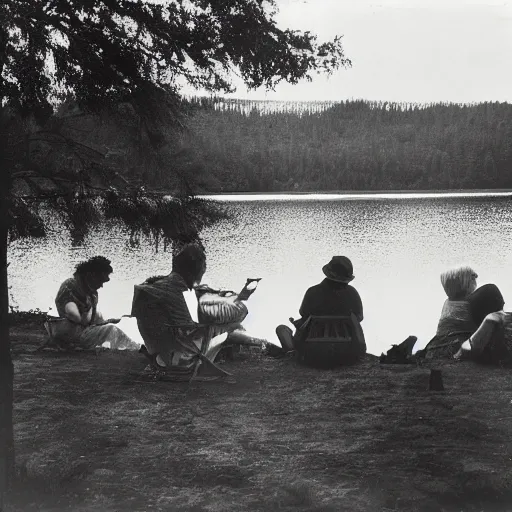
{"type": "Point", "coordinates": [348, 193]}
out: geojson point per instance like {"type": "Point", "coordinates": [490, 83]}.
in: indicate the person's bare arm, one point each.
{"type": "Point", "coordinates": [73, 315]}
{"type": "Point", "coordinates": [100, 320]}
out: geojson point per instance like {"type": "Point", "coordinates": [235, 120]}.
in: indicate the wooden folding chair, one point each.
{"type": "Point", "coordinates": [203, 365]}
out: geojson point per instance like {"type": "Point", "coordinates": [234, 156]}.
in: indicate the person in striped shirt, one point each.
{"type": "Point", "coordinates": [81, 324]}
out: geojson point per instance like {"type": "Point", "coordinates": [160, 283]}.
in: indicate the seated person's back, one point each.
{"type": "Point", "coordinates": [168, 311]}
{"type": "Point", "coordinates": [331, 297]}
{"type": "Point", "coordinates": [455, 322]}
{"type": "Point", "coordinates": [492, 341]}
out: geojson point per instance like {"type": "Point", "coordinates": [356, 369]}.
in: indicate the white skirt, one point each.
{"type": "Point", "coordinates": [68, 333]}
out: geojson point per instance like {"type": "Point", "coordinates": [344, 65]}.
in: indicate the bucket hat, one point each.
{"type": "Point", "coordinates": [339, 269]}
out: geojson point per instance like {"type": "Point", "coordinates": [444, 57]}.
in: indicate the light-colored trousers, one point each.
{"type": "Point", "coordinates": [69, 333]}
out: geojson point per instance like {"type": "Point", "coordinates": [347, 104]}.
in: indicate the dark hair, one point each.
{"type": "Point", "coordinates": [189, 263]}
{"type": "Point", "coordinates": [484, 300]}
{"type": "Point", "coordinates": [94, 264]}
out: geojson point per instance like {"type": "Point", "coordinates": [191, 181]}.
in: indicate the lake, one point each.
{"type": "Point", "coordinates": [398, 243]}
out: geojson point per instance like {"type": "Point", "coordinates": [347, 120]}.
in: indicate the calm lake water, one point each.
{"type": "Point", "coordinates": [399, 244]}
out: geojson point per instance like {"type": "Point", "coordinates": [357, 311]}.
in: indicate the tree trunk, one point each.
{"type": "Point", "coordinates": [6, 369]}
{"type": "Point", "coordinates": [6, 366]}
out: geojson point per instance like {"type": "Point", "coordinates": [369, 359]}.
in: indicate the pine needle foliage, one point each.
{"type": "Point", "coordinates": [98, 55]}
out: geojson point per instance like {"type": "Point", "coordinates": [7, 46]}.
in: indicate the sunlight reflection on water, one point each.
{"type": "Point", "coordinates": [312, 196]}
{"type": "Point", "coordinates": [398, 246]}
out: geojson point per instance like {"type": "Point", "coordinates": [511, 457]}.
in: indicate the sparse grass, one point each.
{"type": "Point", "coordinates": [92, 434]}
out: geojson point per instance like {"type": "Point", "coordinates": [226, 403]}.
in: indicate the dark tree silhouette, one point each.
{"type": "Point", "coordinates": [102, 54]}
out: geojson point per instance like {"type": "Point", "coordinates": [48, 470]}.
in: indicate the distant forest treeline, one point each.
{"type": "Point", "coordinates": [218, 145]}
{"type": "Point", "coordinates": [353, 145]}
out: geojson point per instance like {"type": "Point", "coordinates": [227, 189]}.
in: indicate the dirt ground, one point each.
{"type": "Point", "coordinates": [93, 433]}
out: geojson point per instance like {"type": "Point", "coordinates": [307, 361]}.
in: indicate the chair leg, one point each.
{"type": "Point", "coordinates": [203, 359]}
{"type": "Point", "coordinates": [208, 372]}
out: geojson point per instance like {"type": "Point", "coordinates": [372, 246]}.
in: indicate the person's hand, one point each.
{"type": "Point", "coordinates": [464, 349]}
{"type": "Point", "coordinates": [248, 289]}
{"type": "Point", "coordinates": [83, 322]}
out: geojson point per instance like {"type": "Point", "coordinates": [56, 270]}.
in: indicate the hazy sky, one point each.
{"type": "Point", "coordinates": [408, 50]}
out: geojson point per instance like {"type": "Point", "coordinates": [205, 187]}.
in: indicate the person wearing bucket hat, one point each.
{"type": "Point", "coordinates": [339, 269]}
{"type": "Point", "coordinates": [331, 297]}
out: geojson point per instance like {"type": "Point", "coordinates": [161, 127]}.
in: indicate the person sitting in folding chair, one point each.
{"type": "Point", "coordinates": [179, 329]}
{"type": "Point", "coordinates": [333, 297]}
{"type": "Point", "coordinates": [81, 325]}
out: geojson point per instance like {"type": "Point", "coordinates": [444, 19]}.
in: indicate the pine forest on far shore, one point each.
{"type": "Point", "coordinates": [352, 145]}
{"type": "Point", "coordinates": [251, 146]}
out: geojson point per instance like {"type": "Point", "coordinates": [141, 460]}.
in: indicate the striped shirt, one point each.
{"type": "Point", "coordinates": [75, 290]}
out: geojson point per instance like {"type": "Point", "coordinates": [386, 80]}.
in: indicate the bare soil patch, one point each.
{"type": "Point", "coordinates": [93, 433]}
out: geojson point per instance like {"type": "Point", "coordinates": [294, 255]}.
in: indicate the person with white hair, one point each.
{"type": "Point", "coordinates": [455, 323]}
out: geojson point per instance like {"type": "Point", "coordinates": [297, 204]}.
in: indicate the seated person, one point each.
{"type": "Point", "coordinates": [492, 341]}
{"type": "Point", "coordinates": [455, 324]}
{"type": "Point", "coordinates": [332, 297]}
{"type": "Point", "coordinates": [170, 320]}
{"type": "Point", "coordinates": [81, 324]}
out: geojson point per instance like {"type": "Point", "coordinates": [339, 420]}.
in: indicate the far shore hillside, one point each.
{"type": "Point", "coordinates": [235, 146]}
